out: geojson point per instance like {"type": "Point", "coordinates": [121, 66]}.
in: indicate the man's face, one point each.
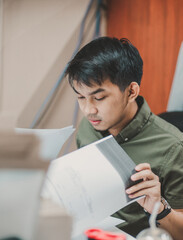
{"type": "Point", "coordinates": [106, 107]}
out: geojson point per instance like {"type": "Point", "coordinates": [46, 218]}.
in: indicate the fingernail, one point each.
{"type": "Point", "coordinates": [136, 168]}
{"type": "Point", "coordinates": [128, 190]}
{"type": "Point", "coordinates": [133, 177]}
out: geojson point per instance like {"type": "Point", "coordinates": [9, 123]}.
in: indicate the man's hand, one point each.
{"type": "Point", "coordinates": [150, 187]}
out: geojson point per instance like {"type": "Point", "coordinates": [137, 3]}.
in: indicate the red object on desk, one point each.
{"type": "Point", "coordinates": [98, 234]}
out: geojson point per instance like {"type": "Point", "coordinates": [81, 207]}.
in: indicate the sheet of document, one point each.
{"type": "Point", "coordinates": [88, 184]}
{"type": "Point", "coordinates": [19, 201]}
{"type": "Point", "coordinates": [52, 140]}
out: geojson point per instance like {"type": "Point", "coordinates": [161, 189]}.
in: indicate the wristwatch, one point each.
{"type": "Point", "coordinates": [166, 210]}
{"type": "Point", "coordinates": [164, 213]}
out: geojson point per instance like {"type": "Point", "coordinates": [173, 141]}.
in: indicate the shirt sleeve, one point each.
{"type": "Point", "coordinates": [172, 176]}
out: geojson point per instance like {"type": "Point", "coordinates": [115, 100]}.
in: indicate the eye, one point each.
{"type": "Point", "coordinates": [100, 99]}
{"type": "Point", "coordinates": [81, 97]}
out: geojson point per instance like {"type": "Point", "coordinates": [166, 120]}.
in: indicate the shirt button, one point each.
{"type": "Point", "coordinates": [126, 139]}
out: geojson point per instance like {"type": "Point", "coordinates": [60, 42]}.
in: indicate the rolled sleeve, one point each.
{"type": "Point", "coordinates": [172, 176]}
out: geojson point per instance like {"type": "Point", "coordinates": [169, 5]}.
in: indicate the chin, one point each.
{"type": "Point", "coordinates": [100, 128]}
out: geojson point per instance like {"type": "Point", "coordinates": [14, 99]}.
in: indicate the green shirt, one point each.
{"type": "Point", "coordinates": [147, 138]}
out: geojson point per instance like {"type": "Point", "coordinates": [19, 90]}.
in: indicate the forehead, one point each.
{"type": "Point", "coordinates": [106, 86]}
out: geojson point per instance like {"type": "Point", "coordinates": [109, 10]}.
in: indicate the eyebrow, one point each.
{"type": "Point", "coordinates": [94, 92]}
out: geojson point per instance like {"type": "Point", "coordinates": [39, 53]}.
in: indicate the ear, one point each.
{"type": "Point", "coordinates": [133, 91]}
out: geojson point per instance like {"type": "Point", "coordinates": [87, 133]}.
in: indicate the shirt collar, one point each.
{"type": "Point", "coordinates": [137, 123]}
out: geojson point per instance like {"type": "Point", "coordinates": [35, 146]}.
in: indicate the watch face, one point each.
{"type": "Point", "coordinates": [165, 203]}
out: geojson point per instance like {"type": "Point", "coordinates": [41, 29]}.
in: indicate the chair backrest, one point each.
{"type": "Point", "coordinates": [175, 118]}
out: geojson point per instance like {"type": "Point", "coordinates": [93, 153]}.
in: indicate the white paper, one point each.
{"type": "Point", "coordinates": [52, 140]}
{"type": "Point", "coordinates": [87, 185]}
{"type": "Point", "coordinates": [19, 202]}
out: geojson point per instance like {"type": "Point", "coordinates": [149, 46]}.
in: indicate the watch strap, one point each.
{"type": "Point", "coordinates": [166, 210]}
{"type": "Point", "coordinates": [164, 213]}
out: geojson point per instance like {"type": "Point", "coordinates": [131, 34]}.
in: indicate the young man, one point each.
{"type": "Point", "coordinates": [106, 75]}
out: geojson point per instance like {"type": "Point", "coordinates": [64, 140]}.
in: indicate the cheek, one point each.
{"type": "Point", "coordinates": [81, 105]}
{"type": "Point", "coordinates": [114, 109]}
{"type": "Point", "coordinates": [106, 109]}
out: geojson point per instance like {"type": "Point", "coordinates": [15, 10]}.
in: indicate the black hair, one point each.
{"type": "Point", "coordinates": [106, 58]}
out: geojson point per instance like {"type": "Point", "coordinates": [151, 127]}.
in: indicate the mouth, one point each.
{"type": "Point", "coordinates": [94, 122]}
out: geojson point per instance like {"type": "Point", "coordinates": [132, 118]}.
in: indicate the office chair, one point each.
{"type": "Point", "coordinates": [175, 118]}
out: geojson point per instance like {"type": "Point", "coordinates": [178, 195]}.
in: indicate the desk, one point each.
{"type": "Point", "coordinates": [129, 237]}
{"type": "Point", "coordinates": [54, 223]}
{"type": "Point", "coordinates": [83, 237]}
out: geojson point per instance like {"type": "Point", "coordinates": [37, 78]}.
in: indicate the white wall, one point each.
{"type": "Point", "coordinates": [38, 38]}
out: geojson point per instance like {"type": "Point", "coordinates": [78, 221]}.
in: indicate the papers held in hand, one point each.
{"type": "Point", "coordinates": [90, 182]}
{"type": "Point", "coordinates": [21, 176]}
{"type": "Point", "coordinates": [51, 140]}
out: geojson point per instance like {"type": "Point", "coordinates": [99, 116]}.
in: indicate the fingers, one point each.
{"type": "Point", "coordinates": [150, 184]}
{"type": "Point", "coordinates": [145, 175]}
{"type": "Point", "coordinates": [143, 188]}
{"type": "Point", "coordinates": [139, 193]}
{"type": "Point", "coordinates": [142, 166]}
{"type": "Point", "coordinates": [142, 185]}
{"type": "Point", "coordinates": [150, 187]}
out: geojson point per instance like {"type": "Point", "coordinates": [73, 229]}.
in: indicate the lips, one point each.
{"type": "Point", "coordinates": [94, 122]}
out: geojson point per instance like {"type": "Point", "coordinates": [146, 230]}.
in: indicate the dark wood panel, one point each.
{"type": "Point", "coordinates": [155, 27]}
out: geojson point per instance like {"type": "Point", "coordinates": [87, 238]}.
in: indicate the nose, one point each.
{"type": "Point", "coordinates": [89, 108]}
